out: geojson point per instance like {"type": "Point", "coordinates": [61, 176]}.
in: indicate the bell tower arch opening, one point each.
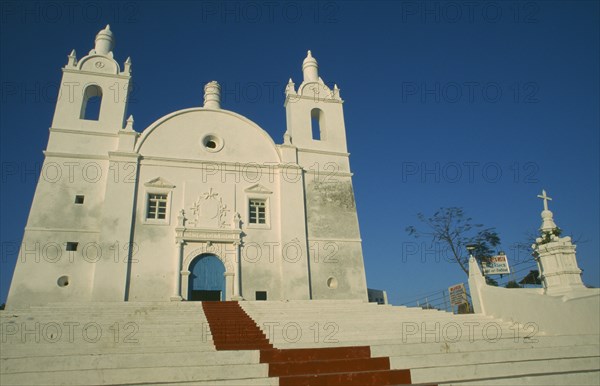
{"type": "Point", "coordinates": [207, 279]}
{"type": "Point", "coordinates": [92, 100]}
{"type": "Point", "coordinates": [318, 124]}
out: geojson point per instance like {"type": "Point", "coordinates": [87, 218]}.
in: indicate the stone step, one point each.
{"type": "Point", "coordinates": [362, 313]}
{"type": "Point", "coordinates": [102, 319]}
{"type": "Point", "coordinates": [108, 350]}
{"type": "Point", "coordinates": [325, 336]}
{"type": "Point", "coordinates": [409, 344]}
{"type": "Point", "coordinates": [231, 382]}
{"type": "Point", "coordinates": [139, 375]}
{"type": "Point", "coordinates": [399, 348]}
{"type": "Point", "coordinates": [78, 347]}
{"type": "Point", "coordinates": [127, 360]}
{"type": "Point", "coordinates": [380, 321]}
{"type": "Point", "coordinates": [579, 378]}
{"type": "Point", "coordinates": [413, 361]}
{"type": "Point", "coordinates": [481, 371]}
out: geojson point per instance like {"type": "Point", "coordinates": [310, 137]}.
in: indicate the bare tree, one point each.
{"type": "Point", "coordinates": [453, 228]}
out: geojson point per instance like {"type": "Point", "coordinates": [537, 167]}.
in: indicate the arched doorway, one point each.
{"type": "Point", "coordinates": [207, 280]}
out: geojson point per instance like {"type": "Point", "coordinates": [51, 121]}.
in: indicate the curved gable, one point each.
{"type": "Point", "coordinates": [187, 135]}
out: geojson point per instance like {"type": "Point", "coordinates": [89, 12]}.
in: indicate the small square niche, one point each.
{"type": "Point", "coordinates": [72, 245]}
{"type": "Point", "coordinates": [261, 295]}
{"type": "Point", "coordinates": [79, 199]}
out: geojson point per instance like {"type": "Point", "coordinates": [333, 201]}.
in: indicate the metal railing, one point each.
{"type": "Point", "coordinates": [440, 299]}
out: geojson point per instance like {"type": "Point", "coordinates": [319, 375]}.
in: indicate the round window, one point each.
{"type": "Point", "coordinates": [332, 283]}
{"type": "Point", "coordinates": [63, 281]}
{"type": "Point", "coordinates": [212, 143]}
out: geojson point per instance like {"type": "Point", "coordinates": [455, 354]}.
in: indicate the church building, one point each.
{"type": "Point", "coordinates": [201, 205]}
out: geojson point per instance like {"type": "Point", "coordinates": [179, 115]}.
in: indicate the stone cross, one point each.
{"type": "Point", "coordinates": [545, 197]}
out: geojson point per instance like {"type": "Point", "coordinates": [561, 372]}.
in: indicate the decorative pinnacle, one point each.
{"type": "Point", "coordinates": [72, 58]}
{"type": "Point", "coordinates": [547, 217]}
{"type": "Point", "coordinates": [309, 58]}
{"type": "Point", "coordinates": [545, 197]}
{"type": "Point", "coordinates": [129, 125]}
{"type": "Point", "coordinates": [212, 95]}
{"type": "Point", "coordinates": [104, 41]}
{"type": "Point", "coordinates": [127, 69]}
{"type": "Point", "coordinates": [310, 68]}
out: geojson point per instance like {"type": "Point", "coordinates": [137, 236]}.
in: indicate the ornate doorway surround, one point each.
{"type": "Point", "coordinates": [223, 243]}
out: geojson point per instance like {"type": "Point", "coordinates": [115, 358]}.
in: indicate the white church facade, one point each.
{"type": "Point", "coordinates": [201, 205]}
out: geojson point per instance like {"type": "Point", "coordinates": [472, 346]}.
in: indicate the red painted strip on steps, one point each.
{"type": "Point", "coordinates": [233, 329]}
{"type": "Point", "coordinates": [306, 354]}
{"type": "Point", "coordinates": [386, 377]}
{"type": "Point", "coordinates": [328, 366]}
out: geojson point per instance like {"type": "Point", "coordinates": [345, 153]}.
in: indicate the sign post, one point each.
{"type": "Point", "coordinates": [496, 265]}
{"type": "Point", "coordinates": [458, 295]}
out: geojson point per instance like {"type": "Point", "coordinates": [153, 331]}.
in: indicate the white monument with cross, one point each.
{"type": "Point", "coordinates": [555, 256]}
{"type": "Point", "coordinates": [562, 293]}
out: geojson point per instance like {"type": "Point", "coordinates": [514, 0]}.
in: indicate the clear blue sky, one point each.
{"type": "Point", "coordinates": [446, 104]}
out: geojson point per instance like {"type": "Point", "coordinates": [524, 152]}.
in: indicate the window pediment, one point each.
{"type": "Point", "coordinates": [159, 182]}
{"type": "Point", "coordinates": [258, 188]}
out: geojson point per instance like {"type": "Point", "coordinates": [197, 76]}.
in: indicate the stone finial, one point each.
{"type": "Point", "coordinates": [290, 87]}
{"type": "Point", "coordinates": [547, 216]}
{"type": "Point", "coordinates": [104, 41]}
{"type": "Point", "coordinates": [72, 59]}
{"type": "Point", "coordinates": [237, 221]}
{"type": "Point", "coordinates": [181, 218]}
{"type": "Point", "coordinates": [212, 95]}
{"type": "Point", "coordinates": [310, 68]}
{"type": "Point", "coordinates": [129, 125]}
{"type": "Point", "coordinates": [128, 65]}
{"type": "Point", "coordinates": [287, 139]}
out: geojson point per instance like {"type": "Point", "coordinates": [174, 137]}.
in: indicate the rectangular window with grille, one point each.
{"type": "Point", "coordinates": [258, 212]}
{"type": "Point", "coordinates": [157, 206]}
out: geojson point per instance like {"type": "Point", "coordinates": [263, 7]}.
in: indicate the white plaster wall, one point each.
{"type": "Point", "coordinates": [178, 136]}
{"type": "Point", "coordinates": [45, 261]}
{"type": "Point", "coordinates": [172, 150]}
{"type": "Point", "coordinates": [54, 220]}
{"type": "Point", "coordinates": [577, 312]}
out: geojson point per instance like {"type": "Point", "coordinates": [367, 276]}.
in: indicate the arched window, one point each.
{"type": "Point", "coordinates": [318, 124]}
{"type": "Point", "coordinates": [92, 99]}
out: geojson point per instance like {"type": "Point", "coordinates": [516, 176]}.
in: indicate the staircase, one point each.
{"type": "Point", "coordinates": [138, 343]}
{"type": "Point", "coordinates": [233, 329]}
{"type": "Point", "coordinates": [282, 343]}
{"type": "Point", "coordinates": [438, 347]}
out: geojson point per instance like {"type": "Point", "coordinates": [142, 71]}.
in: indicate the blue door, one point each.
{"type": "Point", "coordinates": [207, 282]}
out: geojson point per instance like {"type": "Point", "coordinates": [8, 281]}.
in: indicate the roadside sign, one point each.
{"type": "Point", "coordinates": [497, 265]}
{"type": "Point", "coordinates": [458, 294]}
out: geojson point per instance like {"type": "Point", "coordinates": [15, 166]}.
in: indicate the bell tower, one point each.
{"type": "Point", "coordinates": [315, 118]}
{"type": "Point", "coordinates": [316, 140]}
{"type": "Point", "coordinates": [94, 90]}
{"type": "Point", "coordinates": [83, 202]}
